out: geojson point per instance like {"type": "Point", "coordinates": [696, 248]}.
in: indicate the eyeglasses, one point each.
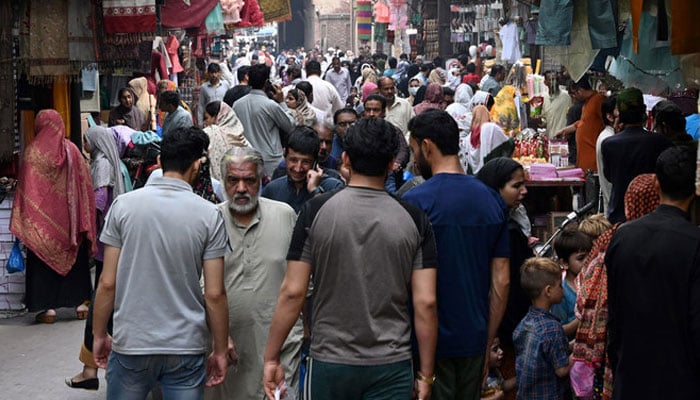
{"type": "Point", "coordinates": [346, 123]}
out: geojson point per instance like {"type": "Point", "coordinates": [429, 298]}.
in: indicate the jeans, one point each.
{"type": "Point", "coordinates": [131, 377]}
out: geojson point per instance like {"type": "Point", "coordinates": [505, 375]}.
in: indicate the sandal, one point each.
{"type": "Point", "coordinates": [81, 312]}
{"type": "Point", "coordinates": [44, 318]}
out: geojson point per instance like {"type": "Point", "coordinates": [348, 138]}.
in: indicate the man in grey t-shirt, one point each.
{"type": "Point", "coordinates": [159, 240]}
{"type": "Point", "coordinates": [367, 250]}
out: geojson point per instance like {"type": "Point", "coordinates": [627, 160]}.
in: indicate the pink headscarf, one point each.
{"type": "Point", "coordinates": [367, 89]}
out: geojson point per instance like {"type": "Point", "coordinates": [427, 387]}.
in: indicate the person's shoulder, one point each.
{"type": "Point", "coordinates": [278, 207]}
{"type": "Point", "coordinates": [276, 184]}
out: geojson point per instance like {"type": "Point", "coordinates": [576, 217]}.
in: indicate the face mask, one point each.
{"type": "Point", "coordinates": [413, 90]}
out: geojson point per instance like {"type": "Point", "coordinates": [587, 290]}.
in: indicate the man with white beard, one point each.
{"type": "Point", "coordinates": [259, 232]}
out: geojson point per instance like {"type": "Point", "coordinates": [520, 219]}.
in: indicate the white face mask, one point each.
{"type": "Point", "coordinates": [413, 90]}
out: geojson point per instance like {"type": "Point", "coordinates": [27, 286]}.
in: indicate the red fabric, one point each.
{"type": "Point", "coordinates": [177, 14]}
{"type": "Point", "coordinates": [158, 64]}
{"type": "Point", "coordinates": [251, 15]}
{"type": "Point", "coordinates": [54, 206]}
{"type": "Point", "coordinates": [129, 16]}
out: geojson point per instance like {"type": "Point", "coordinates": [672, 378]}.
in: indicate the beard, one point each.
{"type": "Point", "coordinates": [423, 167]}
{"type": "Point", "coordinates": [246, 208]}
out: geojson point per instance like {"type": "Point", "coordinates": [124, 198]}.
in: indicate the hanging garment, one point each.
{"type": "Point", "coordinates": [172, 46]}
{"type": "Point", "coordinates": [555, 23]}
{"type": "Point", "coordinates": [48, 38]}
{"type": "Point", "coordinates": [382, 14]}
{"type": "Point", "coordinates": [177, 14]}
{"type": "Point", "coordinates": [511, 43]}
{"type": "Point", "coordinates": [215, 21]}
{"type": "Point", "coordinates": [129, 16]}
{"type": "Point", "coordinates": [602, 23]}
{"type": "Point", "coordinates": [231, 10]}
{"type": "Point", "coordinates": [251, 15]}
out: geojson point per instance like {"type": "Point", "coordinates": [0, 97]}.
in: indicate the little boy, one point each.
{"type": "Point", "coordinates": [495, 384]}
{"type": "Point", "coordinates": [572, 247]}
{"type": "Point", "coordinates": [541, 348]}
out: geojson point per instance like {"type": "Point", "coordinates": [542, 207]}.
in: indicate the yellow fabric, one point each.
{"type": "Point", "coordinates": [504, 111]}
{"type": "Point", "coordinates": [86, 357]}
{"type": "Point", "coordinates": [61, 101]}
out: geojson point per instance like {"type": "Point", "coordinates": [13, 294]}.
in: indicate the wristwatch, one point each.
{"type": "Point", "coordinates": [319, 189]}
{"type": "Point", "coordinates": [429, 380]}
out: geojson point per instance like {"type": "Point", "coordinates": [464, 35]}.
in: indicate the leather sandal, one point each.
{"type": "Point", "coordinates": [44, 318]}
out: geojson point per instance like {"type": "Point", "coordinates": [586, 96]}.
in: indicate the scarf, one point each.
{"type": "Point", "coordinates": [225, 133]}
{"type": "Point", "coordinates": [133, 117]}
{"type": "Point", "coordinates": [367, 89]}
{"type": "Point", "coordinates": [105, 167]}
{"type": "Point", "coordinates": [129, 16]}
{"type": "Point", "coordinates": [433, 99]}
{"type": "Point", "coordinates": [303, 114]}
{"type": "Point", "coordinates": [54, 207]}
{"type": "Point", "coordinates": [140, 87]}
{"type": "Point", "coordinates": [460, 110]}
{"type": "Point", "coordinates": [504, 111]}
{"type": "Point", "coordinates": [592, 300]}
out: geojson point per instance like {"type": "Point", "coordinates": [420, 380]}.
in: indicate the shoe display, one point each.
{"type": "Point", "coordinates": [87, 384]}
{"type": "Point", "coordinates": [44, 318]}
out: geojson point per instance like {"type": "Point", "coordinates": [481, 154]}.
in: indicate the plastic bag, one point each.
{"type": "Point", "coordinates": [581, 376]}
{"type": "Point", "coordinates": [16, 261]}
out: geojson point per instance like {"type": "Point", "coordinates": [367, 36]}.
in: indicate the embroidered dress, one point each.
{"type": "Point", "coordinates": [129, 16]}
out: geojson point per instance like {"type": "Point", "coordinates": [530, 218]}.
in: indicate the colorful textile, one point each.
{"type": "Point", "coordinates": [231, 10]}
{"type": "Point", "coordinates": [80, 49]}
{"type": "Point", "coordinates": [129, 16]}
{"type": "Point", "coordinates": [433, 99]}
{"type": "Point", "coordinates": [251, 15]}
{"type": "Point", "coordinates": [178, 14]}
{"type": "Point", "coordinates": [276, 10]}
{"type": "Point", "coordinates": [61, 101]}
{"type": "Point", "coordinates": [364, 19]}
{"type": "Point", "coordinates": [215, 21]}
{"type": "Point", "coordinates": [504, 111]}
{"type": "Point", "coordinates": [54, 207]}
{"type": "Point", "coordinates": [48, 38]}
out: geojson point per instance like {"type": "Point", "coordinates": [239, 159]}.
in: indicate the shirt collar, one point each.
{"type": "Point", "coordinates": [165, 181]}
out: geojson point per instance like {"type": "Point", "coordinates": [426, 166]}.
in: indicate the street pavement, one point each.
{"type": "Point", "coordinates": [35, 358]}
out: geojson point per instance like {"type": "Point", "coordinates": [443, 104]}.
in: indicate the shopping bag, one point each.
{"type": "Point", "coordinates": [16, 261]}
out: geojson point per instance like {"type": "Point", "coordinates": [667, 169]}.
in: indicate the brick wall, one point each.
{"type": "Point", "coordinates": [11, 285]}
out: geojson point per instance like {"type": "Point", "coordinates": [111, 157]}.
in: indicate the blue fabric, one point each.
{"type": "Point", "coordinates": [145, 137]}
{"type": "Point", "coordinates": [565, 310]}
{"type": "Point", "coordinates": [283, 189]}
{"type": "Point", "coordinates": [337, 147]}
{"type": "Point", "coordinates": [692, 126]}
{"type": "Point", "coordinates": [470, 228]}
{"type": "Point", "coordinates": [181, 377]}
{"type": "Point", "coordinates": [540, 348]}
{"type": "Point", "coordinates": [555, 22]}
{"type": "Point", "coordinates": [602, 23]}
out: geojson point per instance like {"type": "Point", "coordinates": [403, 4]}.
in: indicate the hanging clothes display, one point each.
{"type": "Point", "coordinates": [178, 14]}
{"type": "Point", "coordinates": [511, 42]}
{"type": "Point", "coordinates": [129, 16]}
{"type": "Point", "coordinates": [172, 46]}
{"type": "Point", "coordinates": [555, 23]}
{"type": "Point", "coordinates": [364, 20]}
{"type": "Point", "coordinates": [231, 10]}
{"type": "Point", "coordinates": [80, 50]}
{"type": "Point", "coordinates": [382, 14]}
{"type": "Point", "coordinates": [215, 21]}
{"type": "Point", "coordinates": [251, 15]}
{"type": "Point", "coordinates": [48, 38]}
{"type": "Point", "coordinates": [276, 10]}
{"type": "Point", "coordinates": [602, 24]}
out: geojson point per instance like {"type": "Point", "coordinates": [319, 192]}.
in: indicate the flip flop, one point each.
{"type": "Point", "coordinates": [44, 318]}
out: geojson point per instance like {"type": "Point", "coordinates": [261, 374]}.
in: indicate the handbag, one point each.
{"type": "Point", "coordinates": [16, 261]}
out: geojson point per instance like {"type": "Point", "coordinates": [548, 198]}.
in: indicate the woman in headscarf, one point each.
{"type": "Point", "coordinates": [414, 84]}
{"type": "Point", "coordinates": [439, 76]}
{"type": "Point", "coordinates": [146, 102]}
{"type": "Point", "coordinates": [126, 113]}
{"type": "Point", "coordinates": [481, 97]}
{"type": "Point", "coordinates": [225, 131]}
{"type": "Point", "coordinates": [507, 177]}
{"type": "Point", "coordinates": [589, 353]}
{"type": "Point", "coordinates": [54, 216]}
{"type": "Point", "coordinates": [367, 89]}
{"type": "Point", "coordinates": [108, 182]}
{"type": "Point", "coordinates": [486, 140]}
{"type": "Point", "coordinates": [460, 110]}
{"type": "Point", "coordinates": [504, 111]}
{"type": "Point", "coordinates": [299, 107]}
{"type": "Point", "coordinates": [433, 99]}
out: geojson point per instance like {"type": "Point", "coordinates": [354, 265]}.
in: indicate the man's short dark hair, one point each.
{"type": "Point", "coordinates": [608, 107]}
{"type": "Point", "coordinates": [403, 56]}
{"type": "Point", "coordinates": [439, 127]}
{"type": "Point", "coordinates": [242, 72]}
{"type": "Point", "coordinates": [471, 68]}
{"type": "Point", "coordinates": [258, 75]}
{"type": "Point", "coordinates": [669, 114]}
{"type": "Point", "coordinates": [376, 97]}
{"type": "Point", "coordinates": [675, 170]}
{"type": "Point", "coordinates": [313, 67]}
{"type": "Point", "coordinates": [214, 67]}
{"type": "Point", "coordinates": [392, 62]}
{"type": "Point", "coordinates": [583, 84]}
{"type": "Point", "coordinates": [335, 58]}
{"type": "Point", "coordinates": [293, 72]}
{"type": "Point", "coordinates": [496, 69]}
{"type": "Point", "coordinates": [371, 144]}
{"type": "Point", "coordinates": [303, 140]}
{"type": "Point", "coordinates": [181, 147]}
{"type": "Point", "coordinates": [305, 87]}
{"type": "Point", "coordinates": [346, 110]}
{"type": "Point", "coordinates": [464, 59]}
{"type": "Point", "coordinates": [170, 98]}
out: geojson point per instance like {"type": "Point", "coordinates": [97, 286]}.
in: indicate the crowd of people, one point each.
{"type": "Point", "coordinates": [353, 228]}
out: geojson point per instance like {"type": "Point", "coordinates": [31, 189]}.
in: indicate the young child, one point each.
{"type": "Point", "coordinates": [594, 225]}
{"type": "Point", "coordinates": [541, 348]}
{"type": "Point", "coordinates": [572, 247]}
{"type": "Point", "coordinates": [495, 384]}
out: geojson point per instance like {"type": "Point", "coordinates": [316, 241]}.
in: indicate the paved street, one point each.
{"type": "Point", "coordinates": [35, 358]}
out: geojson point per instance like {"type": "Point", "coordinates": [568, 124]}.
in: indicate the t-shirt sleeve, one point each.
{"type": "Point", "coordinates": [426, 257]}
{"type": "Point", "coordinates": [111, 232]}
{"type": "Point", "coordinates": [217, 243]}
{"type": "Point", "coordinates": [557, 347]}
{"type": "Point", "coordinates": [502, 249]}
{"type": "Point", "coordinates": [300, 235]}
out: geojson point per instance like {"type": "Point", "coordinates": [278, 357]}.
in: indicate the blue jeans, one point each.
{"type": "Point", "coordinates": [182, 377]}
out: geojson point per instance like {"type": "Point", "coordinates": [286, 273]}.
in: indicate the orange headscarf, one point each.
{"type": "Point", "coordinates": [480, 116]}
{"type": "Point", "coordinates": [54, 206]}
